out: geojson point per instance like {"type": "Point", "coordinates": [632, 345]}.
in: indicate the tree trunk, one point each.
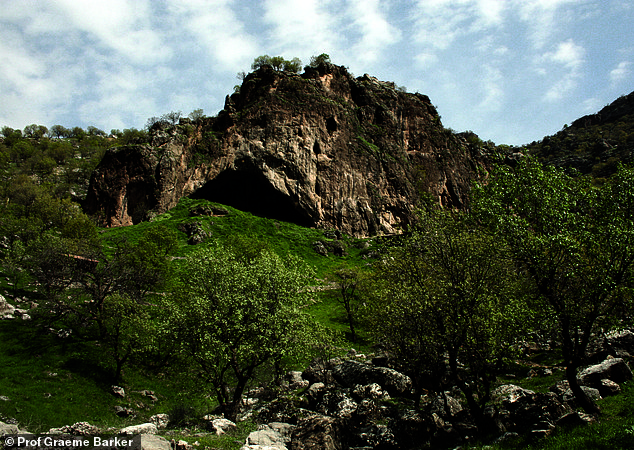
{"type": "Point", "coordinates": [580, 396]}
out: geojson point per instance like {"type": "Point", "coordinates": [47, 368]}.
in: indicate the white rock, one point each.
{"type": "Point", "coordinates": [144, 428]}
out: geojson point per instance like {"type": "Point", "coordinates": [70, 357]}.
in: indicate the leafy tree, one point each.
{"type": "Point", "coordinates": [94, 131]}
{"type": "Point", "coordinates": [277, 63]}
{"type": "Point", "coordinates": [196, 114]}
{"type": "Point", "coordinates": [77, 133]}
{"type": "Point", "coordinates": [59, 131]}
{"type": "Point", "coordinates": [236, 319]}
{"type": "Point", "coordinates": [349, 282]}
{"type": "Point", "coordinates": [446, 307]}
{"type": "Point", "coordinates": [575, 242]}
{"type": "Point", "coordinates": [130, 269]}
{"type": "Point", "coordinates": [8, 131]}
{"type": "Point", "coordinates": [129, 329]}
{"type": "Point", "coordinates": [316, 61]}
{"type": "Point", "coordinates": [34, 131]}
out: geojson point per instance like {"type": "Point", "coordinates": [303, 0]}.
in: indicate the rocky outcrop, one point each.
{"type": "Point", "coordinates": [320, 149]}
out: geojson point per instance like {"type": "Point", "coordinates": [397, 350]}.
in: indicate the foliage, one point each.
{"type": "Point", "coordinates": [575, 242]}
{"type": "Point", "coordinates": [316, 61]}
{"type": "Point", "coordinates": [238, 319]}
{"type": "Point", "coordinates": [170, 118]}
{"type": "Point", "coordinates": [350, 282]}
{"type": "Point", "coordinates": [446, 307]}
{"type": "Point", "coordinates": [278, 63]}
{"type": "Point", "coordinates": [196, 114]}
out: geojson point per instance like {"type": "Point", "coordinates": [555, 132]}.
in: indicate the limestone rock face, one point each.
{"type": "Point", "coordinates": [320, 149]}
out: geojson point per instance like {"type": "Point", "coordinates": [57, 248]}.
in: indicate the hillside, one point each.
{"type": "Point", "coordinates": [244, 285]}
{"type": "Point", "coordinates": [593, 144]}
{"type": "Point", "coordinates": [320, 149]}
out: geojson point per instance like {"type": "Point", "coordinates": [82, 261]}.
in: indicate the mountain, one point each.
{"type": "Point", "coordinates": [321, 149]}
{"type": "Point", "coordinates": [594, 144]}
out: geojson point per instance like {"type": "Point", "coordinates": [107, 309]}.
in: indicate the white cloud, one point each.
{"type": "Point", "coordinates": [566, 62]}
{"type": "Point", "coordinates": [303, 28]}
{"type": "Point", "coordinates": [491, 84]}
{"type": "Point", "coordinates": [124, 26]}
{"type": "Point", "coordinates": [376, 32]}
{"type": "Point", "coordinates": [216, 26]}
{"type": "Point", "coordinates": [439, 23]}
{"type": "Point", "coordinates": [542, 17]}
{"type": "Point", "coordinates": [620, 72]}
{"type": "Point", "coordinates": [568, 54]}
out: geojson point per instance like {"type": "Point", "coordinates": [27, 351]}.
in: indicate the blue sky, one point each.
{"type": "Point", "coordinates": [512, 71]}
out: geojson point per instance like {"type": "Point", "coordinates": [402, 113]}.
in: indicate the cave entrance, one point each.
{"type": "Point", "coordinates": [249, 190]}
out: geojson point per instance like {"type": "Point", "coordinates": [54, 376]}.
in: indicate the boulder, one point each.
{"type": "Point", "coordinates": [118, 391]}
{"type": "Point", "coordinates": [272, 436]}
{"type": "Point", "coordinates": [160, 420]}
{"type": "Point", "coordinates": [615, 369]}
{"type": "Point", "coordinates": [371, 391]}
{"type": "Point", "coordinates": [320, 371]}
{"type": "Point", "coordinates": [221, 426]}
{"type": "Point", "coordinates": [144, 428]}
{"type": "Point", "coordinates": [317, 432]}
{"type": "Point", "coordinates": [608, 388]}
{"type": "Point", "coordinates": [351, 373]}
{"type": "Point", "coordinates": [6, 309]}
{"type": "Point", "coordinates": [153, 442]}
{"type": "Point", "coordinates": [523, 410]}
{"type": "Point", "coordinates": [8, 428]}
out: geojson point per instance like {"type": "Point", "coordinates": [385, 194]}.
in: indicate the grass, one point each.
{"type": "Point", "coordinates": [282, 237]}
{"type": "Point", "coordinates": [51, 382]}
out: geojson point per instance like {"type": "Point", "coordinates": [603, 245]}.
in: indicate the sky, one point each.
{"type": "Point", "coordinates": [512, 71]}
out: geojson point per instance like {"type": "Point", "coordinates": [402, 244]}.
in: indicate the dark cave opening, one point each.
{"type": "Point", "coordinates": [250, 191]}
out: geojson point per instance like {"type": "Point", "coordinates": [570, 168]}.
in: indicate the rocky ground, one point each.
{"type": "Point", "coordinates": [356, 402]}
{"type": "Point", "coordinates": [352, 403]}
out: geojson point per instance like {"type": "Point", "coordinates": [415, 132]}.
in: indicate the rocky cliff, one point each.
{"type": "Point", "coordinates": [321, 149]}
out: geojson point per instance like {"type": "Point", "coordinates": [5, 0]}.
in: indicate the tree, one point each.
{"type": "Point", "coordinates": [446, 308]}
{"type": "Point", "coordinates": [576, 243]}
{"type": "Point", "coordinates": [277, 63]}
{"type": "Point", "coordinates": [59, 131]}
{"type": "Point", "coordinates": [236, 318]}
{"type": "Point", "coordinates": [80, 278]}
{"type": "Point", "coordinates": [316, 61]}
{"type": "Point", "coordinates": [129, 330]}
{"type": "Point", "coordinates": [35, 131]}
{"type": "Point", "coordinates": [196, 114]}
{"type": "Point", "coordinates": [349, 282]}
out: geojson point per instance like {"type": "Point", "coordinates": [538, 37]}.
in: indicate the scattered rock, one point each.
{"type": "Point", "coordinates": [615, 369]}
{"type": "Point", "coordinates": [317, 432]}
{"type": "Point", "coordinates": [181, 445]}
{"type": "Point", "coordinates": [273, 436]}
{"type": "Point", "coordinates": [9, 428]}
{"type": "Point", "coordinates": [221, 426]}
{"type": "Point", "coordinates": [123, 411]}
{"type": "Point", "coordinates": [351, 373]}
{"type": "Point", "coordinates": [160, 420]}
{"type": "Point", "coordinates": [77, 429]}
{"type": "Point", "coordinates": [153, 442]}
{"type": "Point", "coordinates": [144, 428]}
{"type": "Point", "coordinates": [118, 391]}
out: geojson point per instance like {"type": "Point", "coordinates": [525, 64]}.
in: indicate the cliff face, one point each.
{"type": "Point", "coordinates": [320, 149]}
